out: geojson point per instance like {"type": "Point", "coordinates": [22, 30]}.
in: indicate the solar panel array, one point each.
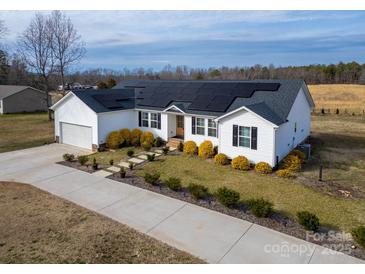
{"type": "Point", "coordinates": [202, 96]}
{"type": "Point", "coordinates": [111, 101]}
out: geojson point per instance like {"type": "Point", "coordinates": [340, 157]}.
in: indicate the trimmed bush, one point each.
{"type": "Point", "coordinates": [122, 172]}
{"type": "Point", "coordinates": [136, 136]}
{"type": "Point", "coordinates": [240, 163]}
{"type": "Point", "coordinates": [126, 136]}
{"type": "Point", "coordinates": [147, 137]}
{"type": "Point", "coordinates": [198, 191]}
{"type": "Point", "coordinates": [358, 234]}
{"type": "Point", "coordinates": [68, 157]}
{"type": "Point", "coordinates": [131, 166]}
{"type": "Point", "coordinates": [158, 142]}
{"type": "Point", "coordinates": [190, 148]}
{"type": "Point", "coordinates": [263, 168]}
{"type": "Point", "coordinates": [150, 157]}
{"type": "Point", "coordinates": [82, 159]}
{"type": "Point", "coordinates": [292, 163]}
{"type": "Point", "coordinates": [299, 154]}
{"type": "Point", "coordinates": [309, 220]}
{"type": "Point", "coordinates": [227, 197]}
{"type": "Point", "coordinates": [173, 183]}
{"type": "Point", "coordinates": [260, 207]}
{"type": "Point", "coordinates": [95, 164]}
{"type": "Point", "coordinates": [165, 150]}
{"type": "Point", "coordinates": [111, 162]}
{"type": "Point", "coordinates": [206, 149]}
{"type": "Point", "coordinates": [113, 140]}
{"type": "Point", "coordinates": [284, 173]}
{"type": "Point", "coordinates": [180, 147]}
{"type": "Point", "coordinates": [221, 159]}
{"type": "Point", "coordinates": [152, 178]}
{"type": "Point", "coordinates": [146, 146]}
{"type": "Point", "coordinates": [130, 152]}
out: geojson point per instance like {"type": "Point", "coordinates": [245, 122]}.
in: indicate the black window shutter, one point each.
{"type": "Point", "coordinates": [139, 118]}
{"type": "Point", "coordinates": [235, 136]}
{"type": "Point", "coordinates": [192, 125]}
{"type": "Point", "coordinates": [159, 120]}
{"type": "Point", "coordinates": [254, 138]}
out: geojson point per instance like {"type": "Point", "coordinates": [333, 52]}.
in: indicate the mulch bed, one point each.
{"type": "Point", "coordinates": [86, 168]}
{"type": "Point", "coordinates": [276, 221]}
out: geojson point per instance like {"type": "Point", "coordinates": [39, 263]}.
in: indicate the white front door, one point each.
{"type": "Point", "coordinates": [76, 135]}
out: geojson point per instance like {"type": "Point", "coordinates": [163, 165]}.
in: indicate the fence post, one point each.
{"type": "Point", "coordinates": [320, 173]}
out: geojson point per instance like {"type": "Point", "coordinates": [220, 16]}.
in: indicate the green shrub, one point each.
{"type": "Point", "coordinates": [263, 168]}
{"type": "Point", "coordinates": [173, 183]}
{"type": "Point", "coordinates": [146, 146]}
{"type": "Point", "coordinates": [284, 173]}
{"type": "Point", "coordinates": [130, 152]}
{"type": "Point", "coordinates": [190, 148]}
{"type": "Point", "coordinates": [113, 140]}
{"type": "Point", "coordinates": [309, 220]}
{"type": "Point", "coordinates": [180, 147]}
{"type": "Point", "coordinates": [358, 234]}
{"type": "Point", "coordinates": [125, 136]}
{"type": "Point", "coordinates": [165, 150]}
{"type": "Point", "coordinates": [111, 162]}
{"type": "Point", "coordinates": [206, 149]}
{"type": "Point", "coordinates": [135, 141]}
{"type": "Point", "coordinates": [68, 157]}
{"type": "Point", "coordinates": [147, 137]}
{"type": "Point", "coordinates": [122, 172]}
{"type": "Point", "coordinates": [82, 159]}
{"type": "Point", "coordinates": [221, 159]}
{"type": "Point", "coordinates": [198, 191]}
{"type": "Point", "coordinates": [131, 166]}
{"type": "Point", "coordinates": [240, 163]}
{"type": "Point", "coordinates": [158, 142]}
{"type": "Point", "coordinates": [151, 157]}
{"type": "Point", "coordinates": [152, 178]}
{"type": "Point", "coordinates": [260, 207]}
{"type": "Point", "coordinates": [227, 197]}
{"type": "Point", "coordinates": [95, 164]}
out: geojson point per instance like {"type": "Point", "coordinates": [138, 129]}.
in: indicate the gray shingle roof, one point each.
{"type": "Point", "coordinates": [7, 90]}
{"type": "Point", "coordinates": [273, 106]}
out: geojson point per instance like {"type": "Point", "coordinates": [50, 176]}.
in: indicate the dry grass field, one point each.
{"type": "Point", "coordinates": [344, 97]}
{"type": "Point", "coordinates": [37, 227]}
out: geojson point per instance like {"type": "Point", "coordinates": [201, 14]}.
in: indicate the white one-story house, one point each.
{"type": "Point", "coordinates": [262, 120]}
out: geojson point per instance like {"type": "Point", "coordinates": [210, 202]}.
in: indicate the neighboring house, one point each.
{"type": "Point", "coordinates": [262, 120]}
{"type": "Point", "coordinates": [15, 99]}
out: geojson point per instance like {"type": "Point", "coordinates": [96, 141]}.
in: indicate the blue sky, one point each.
{"type": "Point", "coordinates": [202, 39]}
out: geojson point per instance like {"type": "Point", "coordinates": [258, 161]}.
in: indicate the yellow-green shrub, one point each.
{"type": "Point", "coordinates": [125, 134]}
{"type": "Point", "coordinates": [284, 173]}
{"type": "Point", "coordinates": [113, 139]}
{"type": "Point", "coordinates": [147, 137]}
{"type": "Point", "coordinates": [292, 163]}
{"type": "Point", "coordinates": [299, 154]}
{"type": "Point", "coordinates": [221, 159]}
{"type": "Point", "coordinates": [263, 168]}
{"type": "Point", "coordinates": [136, 136]}
{"type": "Point", "coordinates": [241, 163]}
{"type": "Point", "coordinates": [190, 148]}
{"type": "Point", "coordinates": [206, 149]}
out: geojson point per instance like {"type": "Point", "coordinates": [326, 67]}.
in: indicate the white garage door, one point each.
{"type": "Point", "coordinates": [76, 135]}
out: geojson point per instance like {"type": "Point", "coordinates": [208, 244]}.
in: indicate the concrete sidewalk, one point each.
{"type": "Point", "coordinates": [209, 235]}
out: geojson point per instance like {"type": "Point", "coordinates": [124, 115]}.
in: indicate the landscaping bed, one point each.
{"type": "Point", "coordinates": [276, 221]}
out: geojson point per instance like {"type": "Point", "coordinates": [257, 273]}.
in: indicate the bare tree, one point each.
{"type": "Point", "coordinates": [67, 45]}
{"type": "Point", "coordinates": [34, 46]}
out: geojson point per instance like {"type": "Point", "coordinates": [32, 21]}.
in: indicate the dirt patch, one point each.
{"type": "Point", "coordinates": [276, 221]}
{"type": "Point", "coordinates": [37, 227]}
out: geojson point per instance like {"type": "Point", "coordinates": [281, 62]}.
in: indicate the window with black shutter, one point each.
{"type": "Point", "coordinates": [235, 136]}
{"type": "Point", "coordinates": [193, 125]}
{"type": "Point", "coordinates": [139, 118]}
{"type": "Point", "coordinates": [254, 138]}
{"type": "Point", "coordinates": [159, 121]}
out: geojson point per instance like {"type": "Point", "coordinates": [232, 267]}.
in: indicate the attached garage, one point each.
{"type": "Point", "coordinates": [76, 135]}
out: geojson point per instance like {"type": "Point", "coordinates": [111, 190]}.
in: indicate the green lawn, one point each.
{"type": "Point", "coordinates": [287, 195]}
{"type": "Point", "coordinates": [118, 155]}
{"type": "Point", "coordinates": [19, 131]}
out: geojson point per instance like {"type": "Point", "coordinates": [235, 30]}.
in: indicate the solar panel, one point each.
{"type": "Point", "coordinates": [111, 101]}
{"type": "Point", "coordinates": [213, 96]}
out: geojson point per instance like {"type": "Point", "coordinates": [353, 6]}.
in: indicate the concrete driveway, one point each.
{"type": "Point", "coordinates": [214, 237]}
